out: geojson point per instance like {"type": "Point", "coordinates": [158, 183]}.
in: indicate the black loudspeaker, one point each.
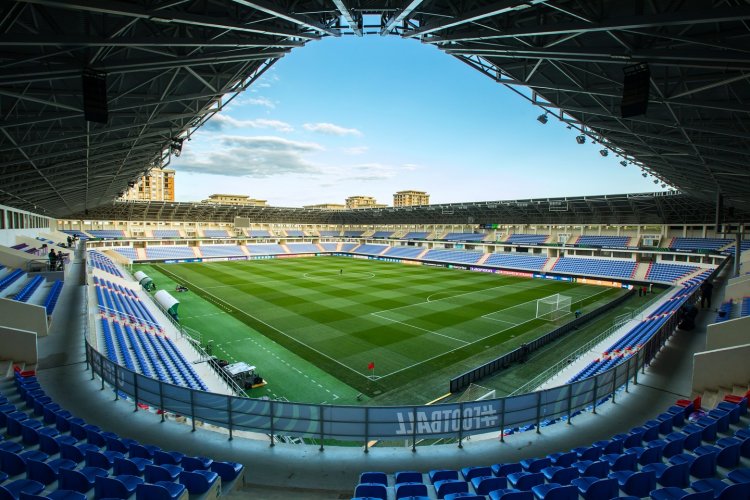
{"type": "Point", "coordinates": [95, 96]}
{"type": "Point", "coordinates": [635, 90]}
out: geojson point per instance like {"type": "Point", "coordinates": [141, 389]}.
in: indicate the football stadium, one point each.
{"type": "Point", "coordinates": [588, 346]}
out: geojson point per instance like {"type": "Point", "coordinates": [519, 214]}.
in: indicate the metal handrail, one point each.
{"type": "Point", "coordinates": [455, 421]}
{"type": "Point", "coordinates": [553, 370]}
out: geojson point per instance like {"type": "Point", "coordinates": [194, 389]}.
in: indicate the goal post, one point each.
{"type": "Point", "coordinates": [476, 392]}
{"type": "Point", "coordinates": [554, 307]}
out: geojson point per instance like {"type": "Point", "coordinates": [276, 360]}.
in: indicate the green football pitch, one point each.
{"type": "Point", "coordinates": [345, 326]}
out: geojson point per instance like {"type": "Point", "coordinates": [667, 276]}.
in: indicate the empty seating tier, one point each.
{"type": "Point", "coordinates": [170, 252]}
{"type": "Point", "coordinates": [595, 267]}
{"type": "Point", "coordinates": [215, 233]}
{"type": "Point", "coordinates": [303, 247]}
{"type": "Point", "coordinates": [465, 236]}
{"type": "Point", "coordinates": [669, 273]}
{"type": "Point", "coordinates": [453, 256]}
{"type": "Point", "coordinates": [368, 249]}
{"type": "Point", "coordinates": [101, 261]}
{"type": "Point", "coordinates": [520, 238]}
{"type": "Point", "coordinates": [49, 453]}
{"type": "Point", "coordinates": [699, 243]}
{"type": "Point", "coordinates": [382, 234]}
{"type": "Point", "coordinates": [406, 252]}
{"type": "Point", "coordinates": [107, 233]}
{"type": "Point", "coordinates": [330, 234]}
{"type": "Point", "coordinates": [416, 235]}
{"type": "Point", "coordinates": [258, 233]}
{"type": "Point", "coordinates": [516, 261]}
{"type": "Point", "coordinates": [295, 233]}
{"type": "Point", "coordinates": [166, 233]}
{"type": "Point", "coordinates": [127, 252]}
{"type": "Point", "coordinates": [666, 458]}
{"type": "Point", "coordinates": [604, 241]}
{"type": "Point", "coordinates": [266, 249]}
{"type": "Point", "coordinates": [353, 234]}
{"type": "Point", "coordinates": [221, 250]}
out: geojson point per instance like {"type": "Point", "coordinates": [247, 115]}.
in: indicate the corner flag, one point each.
{"type": "Point", "coordinates": [371, 366]}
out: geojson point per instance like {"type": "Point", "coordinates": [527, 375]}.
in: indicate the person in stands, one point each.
{"type": "Point", "coordinates": [52, 256]}
{"type": "Point", "coordinates": [707, 289]}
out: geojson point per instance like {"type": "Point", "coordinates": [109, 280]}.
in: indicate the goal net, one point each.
{"type": "Point", "coordinates": [476, 393]}
{"type": "Point", "coordinates": [553, 307]}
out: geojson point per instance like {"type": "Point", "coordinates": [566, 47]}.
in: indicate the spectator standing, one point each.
{"type": "Point", "coordinates": [52, 256]}
{"type": "Point", "coordinates": [707, 289]}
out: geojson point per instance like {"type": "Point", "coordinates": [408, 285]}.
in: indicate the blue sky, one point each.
{"type": "Point", "coordinates": [376, 115]}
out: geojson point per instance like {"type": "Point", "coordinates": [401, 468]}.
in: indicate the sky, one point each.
{"type": "Point", "coordinates": [375, 115]}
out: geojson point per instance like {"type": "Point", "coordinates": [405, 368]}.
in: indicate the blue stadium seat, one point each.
{"type": "Point", "coordinates": [116, 487]}
{"type": "Point", "coordinates": [163, 490]}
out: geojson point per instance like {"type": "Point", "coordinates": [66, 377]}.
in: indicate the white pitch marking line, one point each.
{"type": "Point", "coordinates": [419, 328]}
{"type": "Point", "coordinates": [401, 369]}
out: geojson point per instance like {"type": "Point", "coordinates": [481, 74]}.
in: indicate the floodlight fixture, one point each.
{"type": "Point", "coordinates": [624, 163]}
{"type": "Point", "coordinates": [542, 119]}
{"type": "Point", "coordinates": [581, 139]}
{"type": "Point", "coordinates": [644, 174]}
{"type": "Point", "coordinates": [603, 152]}
{"type": "Point", "coordinates": [176, 146]}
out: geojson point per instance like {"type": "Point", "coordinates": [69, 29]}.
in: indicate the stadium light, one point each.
{"type": "Point", "coordinates": [581, 139]}
{"type": "Point", "coordinates": [603, 152]}
{"type": "Point", "coordinates": [542, 119]}
{"type": "Point", "coordinates": [624, 163]}
{"type": "Point", "coordinates": [644, 174]}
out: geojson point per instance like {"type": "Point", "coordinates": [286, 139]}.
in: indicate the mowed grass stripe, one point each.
{"type": "Point", "coordinates": [323, 316]}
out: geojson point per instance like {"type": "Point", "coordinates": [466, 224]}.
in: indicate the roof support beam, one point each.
{"type": "Point", "coordinates": [400, 17]}
{"type": "Point", "coordinates": [270, 8]}
{"type": "Point", "coordinates": [348, 16]}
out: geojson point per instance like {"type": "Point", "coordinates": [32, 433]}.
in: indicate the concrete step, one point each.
{"type": "Point", "coordinates": [6, 369]}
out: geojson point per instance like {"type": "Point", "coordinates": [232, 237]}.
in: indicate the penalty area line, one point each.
{"type": "Point", "coordinates": [377, 315]}
{"type": "Point", "coordinates": [266, 324]}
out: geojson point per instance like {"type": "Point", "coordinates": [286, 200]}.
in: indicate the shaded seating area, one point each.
{"type": "Point", "coordinates": [166, 233]}
{"type": "Point", "coordinates": [107, 233]}
{"type": "Point", "coordinates": [603, 241]}
{"type": "Point", "coordinates": [525, 239]}
{"type": "Point", "coordinates": [47, 451]}
{"type": "Point", "coordinates": [683, 243]}
{"type": "Point", "coordinates": [416, 235]}
{"type": "Point", "coordinates": [216, 233]}
{"type": "Point", "coordinates": [465, 236]}
{"type": "Point", "coordinates": [595, 267]}
{"type": "Point", "coordinates": [669, 273]}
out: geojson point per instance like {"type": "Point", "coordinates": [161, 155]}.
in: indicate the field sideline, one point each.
{"type": "Point", "coordinates": [342, 314]}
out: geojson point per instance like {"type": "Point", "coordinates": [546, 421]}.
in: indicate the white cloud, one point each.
{"type": "Point", "coordinates": [222, 122]}
{"type": "Point", "coordinates": [410, 167]}
{"type": "Point", "coordinates": [257, 157]}
{"type": "Point", "coordinates": [356, 150]}
{"type": "Point", "coordinates": [331, 129]}
{"type": "Point", "coordinates": [260, 101]}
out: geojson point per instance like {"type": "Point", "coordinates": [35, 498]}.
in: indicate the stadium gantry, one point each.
{"type": "Point", "coordinates": [164, 68]}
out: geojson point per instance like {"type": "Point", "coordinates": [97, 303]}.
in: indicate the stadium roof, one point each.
{"type": "Point", "coordinates": [641, 208]}
{"type": "Point", "coordinates": [171, 64]}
